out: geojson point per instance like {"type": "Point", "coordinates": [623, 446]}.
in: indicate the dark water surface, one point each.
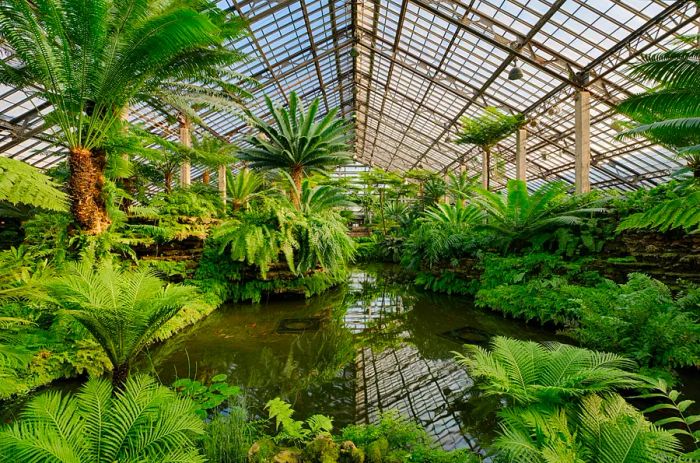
{"type": "Point", "coordinates": [353, 353]}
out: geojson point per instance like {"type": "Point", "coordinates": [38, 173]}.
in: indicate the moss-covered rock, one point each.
{"type": "Point", "coordinates": [349, 453]}
{"type": "Point", "coordinates": [262, 451]}
{"type": "Point", "coordinates": [377, 450]}
{"type": "Point", "coordinates": [321, 450]}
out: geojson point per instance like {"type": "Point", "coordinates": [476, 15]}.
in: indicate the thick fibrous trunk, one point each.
{"type": "Point", "coordinates": [168, 180]}
{"type": "Point", "coordinates": [297, 173]}
{"type": "Point", "coordinates": [119, 375]}
{"type": "Point", "coordinates": [206, 177]}
{"type": "Point", "coordinates": [86, 185]}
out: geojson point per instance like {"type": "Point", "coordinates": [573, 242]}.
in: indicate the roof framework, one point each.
{"type": "Point", "coordinates": [420, 66]}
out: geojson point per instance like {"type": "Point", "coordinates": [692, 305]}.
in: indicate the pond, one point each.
{"type": "Point", "coordinates": [371, 346]}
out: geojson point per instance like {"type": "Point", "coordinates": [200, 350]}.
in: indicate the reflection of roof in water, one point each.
{"type": "Point", "coordinates": [418, 388]}
{"type": "Point", "coordinates": [365, 313]}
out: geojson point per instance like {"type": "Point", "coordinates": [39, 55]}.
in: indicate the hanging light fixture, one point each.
{"type": "Point", "coordinates": [515, 72]}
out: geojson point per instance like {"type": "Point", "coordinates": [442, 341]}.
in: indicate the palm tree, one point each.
{"type": "Point", "coordinates": [122, 309]}
{"type": "Point", "coordinates": [296, 143]}
{"type": "Point", "coordinates": [214, 151]}
{"type": "Point", "coordinates": [243, 187]}
{"type": "Point", "coordinates": [144, 422]}
{"type": "Point", "coordinates": [527, 372]}
{"type": "Point", "coordinates": [517, 214]}
{"type": "Point", "coordinates": [670, 113]}
{"type": "Point", "coordinates": [21, 183]}
{"type": "Point", "coordinates": [487, 130]}
{"type": "Point", "coordinates": [91, 61]}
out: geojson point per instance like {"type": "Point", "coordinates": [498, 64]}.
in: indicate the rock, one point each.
{"type": "Point", "coordinates": [322, 450]}
{"type": "Point", "coordinates": [287, 456]}
{"type": "Point", "coordinates": [349, 453]}
{"type": "Point", "coordinates": [262, 451]}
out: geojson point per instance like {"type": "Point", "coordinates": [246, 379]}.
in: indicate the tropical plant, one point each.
{"type": "Point", "coordinates": [296, 143]}
{"type": "Point", "coordinates": [243, 187]}
{"type": "Point", "coordinates": [462, 186]}
{"type": "Point", "coordinates": [21, 183]}
{"type": "Point", "coordinates": [289, 429]}
{"type": "Point", "coordinates": [604, 429]}
{"type": "Point", "coordinates": [91, 61]}
{"type": "Point", "coordinates": [143, 422]}
{"type": "Point", "coordinates": [166, 156]}
{"type": "Point", "coordinates": [122, 309]}
{"type": "Point", "coordinates": [486, 130]}
{"type": "Point", "coordinates": [527, 372]}
{"type": "Point", "coordinates": [669, 113]}
{"type": "Point", "coordinates": [516, 214]}
{"type": "Point", "coordinates": [206, 396]}
{"type": "Point", "coordinates": [681, 213]}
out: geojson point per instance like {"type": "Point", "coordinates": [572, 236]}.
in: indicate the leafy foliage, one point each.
{"type": "Point", "coordinates": [122, 309]}
{"type": "Point", "coordinates": [489, 128]}
{"type": "Point", "coordinates": [681, 213]}
{"type": "Point", "coordinates": [206, 397]}
{"type": "Point", "coordinates": [529, 373]}
{"type": "Point", "coordinates": [143, 422]}
{"type": "Point", "coordinates": [22, 184]}
{"type": "Point", "coordinates": [519, 215]}
{"type": "Point", "coordinates": [290, 430]}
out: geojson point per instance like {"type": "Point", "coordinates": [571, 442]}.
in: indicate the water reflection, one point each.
{"type": "Point", "coordinates": [372, 346]}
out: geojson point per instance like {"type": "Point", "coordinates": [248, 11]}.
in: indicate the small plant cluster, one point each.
{"type": "Point", "coordinates": [392, 440]}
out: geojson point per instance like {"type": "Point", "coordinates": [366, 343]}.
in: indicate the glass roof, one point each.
{"type": "Point", "coordinates": [423, 64]}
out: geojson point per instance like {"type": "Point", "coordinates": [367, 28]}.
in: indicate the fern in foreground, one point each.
{"type": "Point", "coordinates": [145, 422]}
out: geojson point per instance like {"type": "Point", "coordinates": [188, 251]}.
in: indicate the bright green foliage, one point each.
{"type": "Point", "coordinates": [444, 232]}
{"type": "Point", "coordinates": [21, 183]}
{"type": "Point", "coordinates": [681, 423]}
{"type": "Point", "coordinates": [243, 187]}
{"type": "Point", "coordinates": [290, 430]}
{"type": "Point", "coordinates": [682, 213]}
{"type": "Point", "coordinates": [394, 438]}
{"type": "Point", "coordinates": [296, 143]}
{"type": "Point", "coordinates": [528, 372]}
{"type": "Point", "coordinates": [89, 61]}
{"type": "Point", "coordinates": [670, 113]}
{"type": "Point", "coordinates": [229, 437]}
{"type": "Point", "coordinates": [489, 128]}
{"type": "Point", "coordinates": [462, 186]}
{"type": "Point", "coordinates": [434, 190]}
{"type": "Point", "coordinates": [144, 422]}
{"type": "Point", "coordinates": [604, 429]}
{"type": "Point", "coordinates": [206, 397]}
{"type": "Point", "coordinates": [519, 215]}
{"type": "Point", "coordinates": [122, 309]}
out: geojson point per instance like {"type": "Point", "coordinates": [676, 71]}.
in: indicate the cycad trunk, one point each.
{"type": "Point", "coordinates": [168, 180]}
{"type": "Point", "coordinates": [86, 186]}
{"type": "Point", "coordinates": [206, 177]}
{"type": "Point", "coordinates": [486, 171]}
{"type": "Point", "coordinates": [297, 174]}
{"type": "Point", "coordinates": [119, 375]}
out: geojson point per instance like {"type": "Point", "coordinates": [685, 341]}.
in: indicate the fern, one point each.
{"type": "Point", "coordinates": [21, 183]}
{"type": "Point", "coordinates": [683, 213]}
{"type": "Point", "coordinates": [145, 422]}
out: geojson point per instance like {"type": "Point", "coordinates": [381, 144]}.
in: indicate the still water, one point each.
{"type": "Point", "coordinates": [370, 346]}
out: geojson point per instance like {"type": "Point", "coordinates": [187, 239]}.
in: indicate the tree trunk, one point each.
{"type": "Point", "coordinates": [86, 184]}
{"type": "Point", "coordinates": [205, 177]}
{"type": "Point", "coordinates": [168, 178]}
{"type": "Point", "coordinates": [119, 375]}
{"type": "Point", "coordinates": [487, 168]}
{"type": "Point", "coordinates": [297, 172]}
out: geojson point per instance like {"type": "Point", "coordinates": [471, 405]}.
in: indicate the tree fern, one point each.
{"type": "Point", "coordinates": [122, 309]}
{"type": "Point", "coordinates": [143, 422]}
{"type": "Point", "coordinates": [21, 183]}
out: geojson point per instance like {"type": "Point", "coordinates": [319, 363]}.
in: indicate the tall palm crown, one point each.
{"type": "Point", "coordinates": [669, 113]}
{"type": "Point", "coordinates": [296, 143]}
{"type": "Point", "coordinates": [487, 130]}
{"type": "Point", "coordinates": [91, 59]}
{"type": "Point", "coordinates": [122, 309]}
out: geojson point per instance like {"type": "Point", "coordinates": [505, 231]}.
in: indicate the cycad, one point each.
{"type": "Point", "coordinates": [122, 309]}
{"type": "Point", "coordinates": [518, 215]}
{"type": "Point", "coordinates": [454, 215]}
{"type": "Point", "coordinates": [669, 113]}
{"type": "Point", "coordinates": [462, 186]}
{"type": "Point", "coordinates": [527, 372]}
{"type": "Point", "coordinates": [680, 213]}
{"type": "Point", "coordinates": [243, 187]}
{"type": "Point", "coordinates": [143, 422]}
{"type": "Point", "coordinates": [91, 60]}
{"type": "Point", "coordinates": [296, 142]}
